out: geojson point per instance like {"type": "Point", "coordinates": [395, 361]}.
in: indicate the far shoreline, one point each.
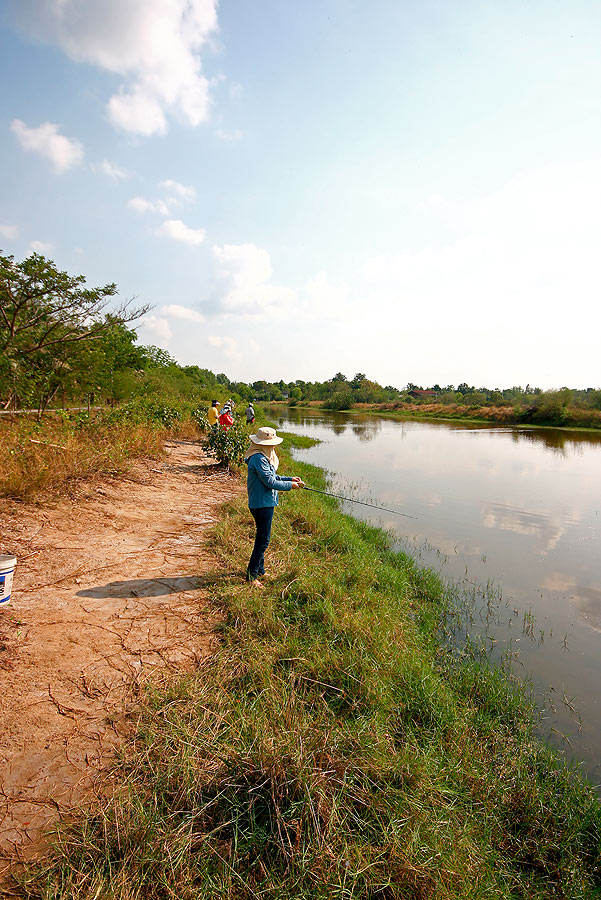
{"type": "Point", "coordinates": [435, 413]}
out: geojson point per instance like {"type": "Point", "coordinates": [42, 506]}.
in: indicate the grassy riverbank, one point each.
{"type": "Point", "coordinates": [331, 749]}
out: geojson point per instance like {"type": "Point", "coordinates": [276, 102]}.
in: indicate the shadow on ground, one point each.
{"type": "Point", "coordinates": [153, 587]}
{"type": "Point", "coordinates": [196, 469]}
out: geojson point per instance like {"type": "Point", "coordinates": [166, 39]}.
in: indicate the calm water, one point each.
{"type": "Point", "coordinates": [516, 507]}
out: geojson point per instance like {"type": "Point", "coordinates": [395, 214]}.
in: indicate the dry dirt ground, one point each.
{"type": "Point", "coordinates": [108, 590]}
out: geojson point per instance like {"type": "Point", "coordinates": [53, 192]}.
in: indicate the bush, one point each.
{"type": "Point", "coordinates": [553, 407]}
{"type": "Point", "coordinates": [339, 400]}
{"type": "Point", "coordinates": [228, 446]}
{"type": "Point", "coordinates": [199, 417]}
{"type": "Point", "coordinates": [147, 411]}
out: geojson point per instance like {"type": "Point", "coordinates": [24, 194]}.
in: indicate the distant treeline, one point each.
{"type": "Point", "coordinates": [516, 404]}
{"type": "Point", "coordinates": [61, 343]}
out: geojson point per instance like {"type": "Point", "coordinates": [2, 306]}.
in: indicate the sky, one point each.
{"type": "Point", "coordinates": [410, 189]}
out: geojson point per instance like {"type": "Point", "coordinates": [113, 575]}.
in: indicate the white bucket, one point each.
{"type": "Point", "coordinates": [7, 568]}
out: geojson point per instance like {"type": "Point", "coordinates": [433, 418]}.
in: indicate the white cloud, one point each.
{"type": "Point", "coordinates": [63, 152]}
{"type": "Point", "coordinates": [179, 191]}
{"type": "Point", "coordinates": [433, 202]}
{"type": "Point", "coordinates": [244, 284]}
{"type": "Point", "coordinates": [137, 112]}
{"type": "Point", "coordinates": [182, 312]}
{"type": "Point", "coordinates": [234, 135]}
{"type": "Point", "coordinates": [324, 299]}
{"type": "Point", "coordinates": [115, 173]}
{"type": "Point", "coordinates": [41, 246]}
{"type": "Point", "coordinates": [141, 205]}
{"type": "Point", "coordinates": [152, 44]}
{"type": "Point", "coordinates": [530, 246]}
{"type": "Point", "coordinates": [157, 325]}
{"type": "Point", "coordinates": [227, 344]}
{"type": "Point", "coordinates": [9, 231]}
{"type": "Point", "coordinates": [175, 229]}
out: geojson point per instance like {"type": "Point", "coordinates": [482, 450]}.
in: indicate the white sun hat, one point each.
{"type": "Point", "coordinates": [266, 437]}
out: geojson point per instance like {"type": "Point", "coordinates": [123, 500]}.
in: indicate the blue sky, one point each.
{"type": "Point", "coordinates": [409, 190]}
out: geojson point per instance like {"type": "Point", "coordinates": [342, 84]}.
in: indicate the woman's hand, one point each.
{"type": "Point", "coordinates": [297, 483]}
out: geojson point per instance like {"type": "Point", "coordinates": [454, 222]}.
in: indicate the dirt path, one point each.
{"type": "Point", "coordinates": [108, 590]}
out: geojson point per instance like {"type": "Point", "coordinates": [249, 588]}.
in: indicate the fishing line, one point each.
{"type": "Point", "coordinates": [348, 500]}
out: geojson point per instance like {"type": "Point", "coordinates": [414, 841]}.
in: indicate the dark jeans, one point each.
{"type": "Point", "coordinates": [263, 517]}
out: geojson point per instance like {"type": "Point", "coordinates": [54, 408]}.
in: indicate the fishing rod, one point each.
{"type": "Point", "coordinates": [348, 500]}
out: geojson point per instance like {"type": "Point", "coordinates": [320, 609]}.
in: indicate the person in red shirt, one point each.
{"type": "Point", "coordinates": [226, 420]}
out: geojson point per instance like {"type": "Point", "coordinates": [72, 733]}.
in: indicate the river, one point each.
{"type": "Point", "coordinates": [513, 509]}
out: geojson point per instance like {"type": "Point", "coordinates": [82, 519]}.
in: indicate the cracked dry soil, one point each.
{"type": "Point", "coordinates": [108, 591]}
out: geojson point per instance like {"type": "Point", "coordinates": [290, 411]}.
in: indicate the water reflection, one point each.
{"type": "Point", "coordinates": [564, 442]}
{"type": "Point", "coordinates": [586, 598]}
{"type": "Point", "coordinates": [546, 529]}
{"type": "Point", "coordinates": [517, 508]}
{"type": "Point", "coordinates": [366, 431]}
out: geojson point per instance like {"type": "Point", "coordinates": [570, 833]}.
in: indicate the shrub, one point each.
{"type": "Point", "coordinates": [227, 446]}
{"type": "Point", "coordinates": [147, 411]}
{"type": "Point", "coordinates": [199, 417]}
{"type": "Point", "coordinates": [339, 400]}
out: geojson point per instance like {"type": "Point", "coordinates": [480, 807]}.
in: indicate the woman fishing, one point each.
{"type": "Point", "coordinates": [263, 484]}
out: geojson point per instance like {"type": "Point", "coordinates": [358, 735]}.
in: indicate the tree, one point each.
{"type": "Point", "coordinates": [49, 321]}
{"type": "Point", "coordinates": [157, 358]}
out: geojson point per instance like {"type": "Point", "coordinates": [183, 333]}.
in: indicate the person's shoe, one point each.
{"type": "Point", "coordinates": [256, 583]}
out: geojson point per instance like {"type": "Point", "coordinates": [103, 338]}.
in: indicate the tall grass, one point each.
{"type": "Point", "coordinates": [43, 457]}
{"type": "Point", "coordinates": [333, 748]}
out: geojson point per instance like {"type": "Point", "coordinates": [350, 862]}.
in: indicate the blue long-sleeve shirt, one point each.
{"type": "Point", "coordinates": [263, 482]}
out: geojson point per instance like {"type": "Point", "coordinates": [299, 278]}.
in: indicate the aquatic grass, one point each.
{"type": "Point", "coordinates": [334, 747]}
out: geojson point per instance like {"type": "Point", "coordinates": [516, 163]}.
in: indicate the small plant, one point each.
{"type": "Point", "coordinates": [227, 446]}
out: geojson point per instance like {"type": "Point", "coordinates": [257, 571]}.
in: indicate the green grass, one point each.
{"type": "Point", "coordinates": [297, 441]}
{"type": "Point", "coordinates": [332, 748]}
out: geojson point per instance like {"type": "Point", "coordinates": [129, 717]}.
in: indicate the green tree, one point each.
{"type": "Point", "coordinates": [358, 380]}
{"type": "Point", "coordinates": [156, 358]}
{"type": "Point", "coordinates": [48, 323]}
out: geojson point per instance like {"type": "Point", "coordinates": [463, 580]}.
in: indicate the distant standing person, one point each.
{"type": "Point", "coordinates": [226, 419]}
{"type": "Point", "coordinates": [250, 414]}
{"type": "Point", "coordinates": [263, 485]}
{"type": "Point", "coordinates": [213, 413]}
